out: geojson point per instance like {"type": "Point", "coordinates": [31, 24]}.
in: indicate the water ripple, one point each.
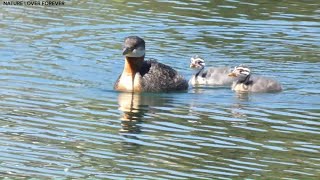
{"type": "Point", "coordinates": [60, 117]}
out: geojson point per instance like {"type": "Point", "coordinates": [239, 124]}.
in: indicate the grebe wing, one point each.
{"type": "Point", "coordinates": [217, 76]}
{"type": "Point", "coordinates": [218, 70]}
{"type": "Point", "coordinates": [265, 84]}
{"type": "Point", "coordinates": [160, 77]}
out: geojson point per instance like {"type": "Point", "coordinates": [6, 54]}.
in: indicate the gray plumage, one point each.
{"type": "Point", "coordinates": [213, 76]}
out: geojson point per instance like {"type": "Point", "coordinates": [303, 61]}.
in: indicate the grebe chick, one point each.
{"type": "Point", "coordinates": [248, 83]}
{"type": "Point", "coordinates": [146, 76]}
{"type": "Point", "coordinates": [211, 76]}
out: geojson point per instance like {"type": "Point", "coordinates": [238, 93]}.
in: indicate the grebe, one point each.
{"type": "Point", "coordinates": [246, 82]}
{"type": "Point", "coordinates": [146, 76]}
{"type": "Point", "coordinates": [212, 76]}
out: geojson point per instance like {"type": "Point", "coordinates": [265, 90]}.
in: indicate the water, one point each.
{"type": "Point", "coordinates": [60, 117]}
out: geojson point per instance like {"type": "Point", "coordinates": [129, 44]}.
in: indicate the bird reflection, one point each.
{"type": "Point", "coordinates": [135, 106]}
{"type": "Point", "coordinates": [242, 96]}
{"type": "Point", "coordinates": [129, 104]}
{"type": "Point", "coordinates": [238, 106]}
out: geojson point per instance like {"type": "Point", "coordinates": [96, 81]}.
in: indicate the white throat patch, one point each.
{"type": "Point", "coordinates": [136, 53]}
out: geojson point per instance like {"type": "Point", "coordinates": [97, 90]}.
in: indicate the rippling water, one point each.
{"type": "Point", "coordinates": [60, 117]}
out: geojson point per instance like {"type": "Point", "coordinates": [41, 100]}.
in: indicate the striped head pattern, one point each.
{"type": "Point", "coordinates": [240, 71]}
{"type": "Point", "coordinates": [197, 62]}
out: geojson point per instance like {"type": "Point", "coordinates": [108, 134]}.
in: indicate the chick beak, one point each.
{"type": "Point", "coordinates": [232, 74]}
{"type": "Point", "coordinates": [126, 51]}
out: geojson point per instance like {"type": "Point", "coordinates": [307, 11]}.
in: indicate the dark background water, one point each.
{"type": "Point", "coordinates": [60, 118]}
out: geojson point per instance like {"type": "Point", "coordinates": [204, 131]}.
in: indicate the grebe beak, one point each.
{"type": "Point", "coordinates": [232, 74]}
{"type": "Point", "coordinates": [126, 51]}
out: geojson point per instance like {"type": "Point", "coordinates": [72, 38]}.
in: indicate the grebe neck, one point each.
{"type": "Point", "coordinates": [246, 81]}
{"type": "Point", "coordinates": [132, 66]}
{"type": "Point", "coordinates": [202, 68]}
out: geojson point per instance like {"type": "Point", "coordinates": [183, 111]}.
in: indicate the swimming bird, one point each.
{"type": "Point", "coordinates": [248, 83]}
{"type": "Point", "coordinates": [212, 76]}
{"type": "Point", "coordinates": [146, 76]}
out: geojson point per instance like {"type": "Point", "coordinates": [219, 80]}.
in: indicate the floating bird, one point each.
{"type": "Point", "coordinates": [248, 83]}
{"type": "Point", "coordinates": [211, 76]}
{"type": "Point", "coordinates": [146, 76]}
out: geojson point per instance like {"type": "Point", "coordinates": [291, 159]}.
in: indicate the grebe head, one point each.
{"type": "Point", "coordinates": [241, 72]}
{"type": "Point", "coordinates": [197, 62]}
{"type": "Point", "coordinates": [134, 46]}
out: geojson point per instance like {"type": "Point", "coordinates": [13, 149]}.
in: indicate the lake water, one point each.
{"type": "Point", "coordinates": [61, 118]}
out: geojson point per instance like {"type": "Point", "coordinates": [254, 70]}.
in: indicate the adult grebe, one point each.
{"type": "Point", "coordinates": [217, 76]}
{"type": "Point", "coordinates": [146, 76]}
{"type": "Point", "coordinates": [246, 82]}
